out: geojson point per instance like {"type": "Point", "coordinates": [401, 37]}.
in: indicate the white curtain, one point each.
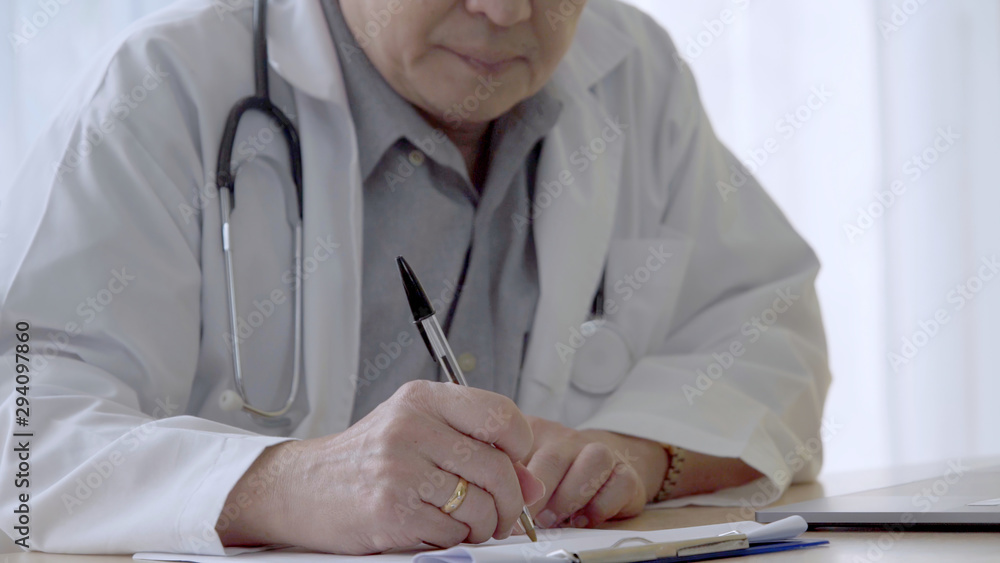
{"type": "Point", "coordinates": [913, 90]}
{"type": "Point", "coordinates": [46, 45]}
{"type": "Point", "coordinates": [830, 102]}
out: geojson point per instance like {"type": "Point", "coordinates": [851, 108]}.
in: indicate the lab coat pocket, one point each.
{"type": "Point", "coordinates": [641, 287]}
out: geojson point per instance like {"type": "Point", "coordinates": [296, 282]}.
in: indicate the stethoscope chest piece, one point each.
{"type": "Point", "coordinates": [602, 362]}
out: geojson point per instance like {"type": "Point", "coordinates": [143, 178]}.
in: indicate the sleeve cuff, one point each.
{"type": "Point", "coordinates": [195, 526]}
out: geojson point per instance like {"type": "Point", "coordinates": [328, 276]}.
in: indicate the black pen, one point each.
{"type": "Point", "coordinates": [437, 343]}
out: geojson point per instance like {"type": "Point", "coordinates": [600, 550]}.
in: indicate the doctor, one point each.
{"type": "Point", "coordinates": [638, 317]}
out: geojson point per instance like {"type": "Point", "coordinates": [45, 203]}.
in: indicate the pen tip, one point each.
{"type": "Point", "coordinates": [528, 524]}
{"type": "Point", "coordinates": [420, 306]}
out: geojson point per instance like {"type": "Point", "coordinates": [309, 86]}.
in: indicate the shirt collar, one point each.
{"type": "Point", "coordinates": [381, 116]}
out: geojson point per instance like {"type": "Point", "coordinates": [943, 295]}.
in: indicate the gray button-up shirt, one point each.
{"type": "Point", "coordinates": [420, 203]}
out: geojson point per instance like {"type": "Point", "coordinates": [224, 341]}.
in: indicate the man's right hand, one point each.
{"type": "Point", "coordinates": [379, 484]}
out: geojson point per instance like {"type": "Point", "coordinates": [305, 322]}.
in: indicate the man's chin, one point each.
{"type": "Point", "coordinates": [462, 113]}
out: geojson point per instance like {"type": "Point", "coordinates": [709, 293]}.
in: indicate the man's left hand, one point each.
{"type": "Point", "coordinates": [592, 476]}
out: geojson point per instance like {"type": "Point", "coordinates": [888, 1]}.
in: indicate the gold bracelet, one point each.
{"type": "Point", "coordinates": [675, 463]}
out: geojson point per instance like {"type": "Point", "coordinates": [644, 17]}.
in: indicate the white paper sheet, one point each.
{"type": "Point", "coordinates": [516, 549]}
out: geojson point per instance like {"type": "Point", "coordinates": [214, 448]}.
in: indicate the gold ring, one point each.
{"type": "Point", "coordinates": [457, 498]}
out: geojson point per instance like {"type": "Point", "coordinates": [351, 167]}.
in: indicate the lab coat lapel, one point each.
{"type": "Point", "coordinates": [574, 209]}
{"type": "Point", "coordinates": [331, 265]}
{"type": "Point", "coordinates": [573, 225]}
{"type": "Point", "coordinates": [332, 213]}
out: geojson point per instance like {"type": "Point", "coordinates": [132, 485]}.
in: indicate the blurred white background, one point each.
{"type": "Point", "coordinates": [851, 97]}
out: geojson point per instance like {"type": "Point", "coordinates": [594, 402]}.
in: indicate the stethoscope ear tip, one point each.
{"type": "Point", "coordinates": [230, 401]}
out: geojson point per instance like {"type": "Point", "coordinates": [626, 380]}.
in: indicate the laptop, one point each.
{"type": "Point", "coordinates": [960, 497]}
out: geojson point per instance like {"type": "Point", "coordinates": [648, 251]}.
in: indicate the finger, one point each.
{"type": "Point", "coordinates": [622, 496]}
{"type": "Point", "coordinates": [592, 467]}
{"type": "Point", "coordinates": [532, 488]}
{"type": "Point", "coordinates": [436, 528]}
{"type": "Point", "coordinates": [484, 466]}
{"type": "Point", "coordinates": [550, 464]}
{"type": "Point", "coordinates": [477, 511]}
{"type": "Point", "coordinates": [487, 417]}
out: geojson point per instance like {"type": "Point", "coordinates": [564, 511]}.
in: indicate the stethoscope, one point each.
{"type": "Point", "coordinates": [261, 101]}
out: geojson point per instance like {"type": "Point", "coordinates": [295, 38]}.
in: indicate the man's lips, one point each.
{"type": "Point", "coordinates": [494, 63]}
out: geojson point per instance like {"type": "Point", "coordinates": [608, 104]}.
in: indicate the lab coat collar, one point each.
{"type": "Point", "coordinates": [301, 50]}
{"type": "Point", "coordinates": [598, 48]}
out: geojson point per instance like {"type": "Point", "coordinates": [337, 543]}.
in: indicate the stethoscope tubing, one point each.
{"type": "Point", "coordinates": [226, 180]}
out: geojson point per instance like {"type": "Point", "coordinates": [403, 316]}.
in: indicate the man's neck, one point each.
{"type": "Point", "coordinates": [473, 142]}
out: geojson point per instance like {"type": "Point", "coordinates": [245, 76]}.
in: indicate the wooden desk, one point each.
{"type": "Point", "coordinates": [845, 546]}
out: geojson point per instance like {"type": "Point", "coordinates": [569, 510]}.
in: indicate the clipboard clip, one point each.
{"type": "Point", "coordinates": [650, 551]}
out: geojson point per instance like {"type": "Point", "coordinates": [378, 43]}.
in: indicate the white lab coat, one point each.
{"type": "Point", "coordinates": [114, 258]}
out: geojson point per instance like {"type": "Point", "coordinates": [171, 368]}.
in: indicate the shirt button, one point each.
{"type": "Point", "coordinates": [467, 362]}
{"type": "Point", "coordinates": [417, 157]}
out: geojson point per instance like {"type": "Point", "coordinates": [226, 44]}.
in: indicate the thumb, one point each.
{"type": "Point", "coordinates": [532, 488]}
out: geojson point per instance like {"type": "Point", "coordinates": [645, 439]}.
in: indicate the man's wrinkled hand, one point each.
{"type": "Point", "coordinates": [591, 476]}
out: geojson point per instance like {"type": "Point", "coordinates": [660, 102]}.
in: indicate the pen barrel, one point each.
{"type": "Point", "coordinates": [433, 334]}
{"type": "Point", "coordinates": [442, 351]}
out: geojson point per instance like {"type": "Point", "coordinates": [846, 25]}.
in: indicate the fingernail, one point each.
{"type": "Point", "coordinates": [542, 485]}
{"type": "Point", "coordinates": [539, 496]}
{"type": "Point", "coordinates": [545, 518]}
{"type": "Point", "coordinates": [581, 522]}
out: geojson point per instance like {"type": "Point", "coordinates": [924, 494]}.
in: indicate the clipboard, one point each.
{"type": "Point", "coordinates": [701, 549]}
{"type": "Point", "coordinates": [698, 543]}
{"type": "Point", "coordinates": [652, 551]}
